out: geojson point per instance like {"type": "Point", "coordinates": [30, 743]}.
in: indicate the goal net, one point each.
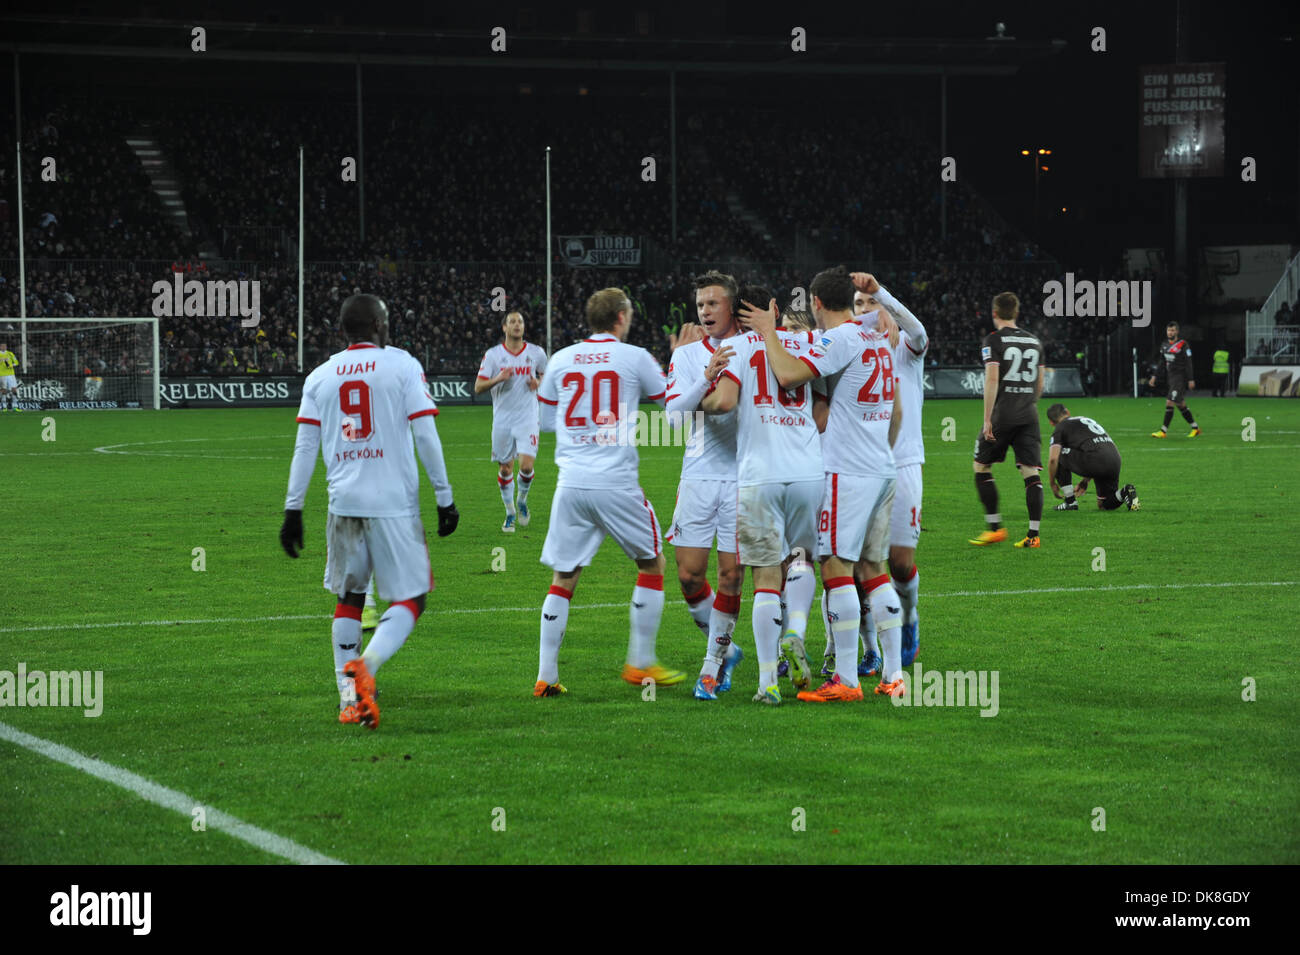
{"type": "Point", "coordinates": [75, 363]}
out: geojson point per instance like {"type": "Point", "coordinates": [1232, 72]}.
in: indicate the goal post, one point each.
{"type": "Point", "coordinates": [86, 363]}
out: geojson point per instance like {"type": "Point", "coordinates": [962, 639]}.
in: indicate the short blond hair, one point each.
{"type": "Point", "coordinates": [603, 308]}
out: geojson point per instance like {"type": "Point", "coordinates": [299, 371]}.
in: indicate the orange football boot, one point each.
{"type": "Point", "coordinates": [832, 691]}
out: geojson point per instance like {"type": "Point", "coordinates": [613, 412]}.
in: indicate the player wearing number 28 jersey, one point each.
{"type": "Point", "coordinates": [361, 409]}
{"type": "Point", "coordinates": [590, 392]}
{"type": "Point", "coordinates": [858, 489]}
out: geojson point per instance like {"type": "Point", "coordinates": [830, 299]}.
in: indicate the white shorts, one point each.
{"type": "Point", "coordinates": [511, 441]}
{"type": "Point", "coordinates": [773, 519]}
{"type": "Point", "coordinates": [854, 522]}
{"type": "Point", "coordinates": [8, 382]}
{"type": "Point", "coordinates": [705, 510]}
{"type": "Point", "coordinates": [393, 548]}
{"type": "Point", "coordinates": [581, 517]}
{"type": "Point", "coordinates": [905, 524]}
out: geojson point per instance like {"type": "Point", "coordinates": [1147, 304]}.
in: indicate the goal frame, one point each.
{"type": "Point", "coordinates": [150, 320]}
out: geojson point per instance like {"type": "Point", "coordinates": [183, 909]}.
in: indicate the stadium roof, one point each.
{"type": "Point", "coordinates": [264, 42]}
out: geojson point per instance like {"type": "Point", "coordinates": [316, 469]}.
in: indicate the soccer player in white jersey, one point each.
{"type": "Point", "coordinates": [858, 493]}
{"type": "Point", "coordinates": [706, 496]}
{"type": "Point", "coordinates": [779, 478]}
{"type": "Point", "coordinates": [512, 370]}
{"type": "Point", "coordinates": [589, 399]}
{"type": "Point", "coordinates": [360, 409]}
{"type": "Point", "coordinates": [909, 456]}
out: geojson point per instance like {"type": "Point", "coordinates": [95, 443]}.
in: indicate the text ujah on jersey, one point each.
{"type": "Point", "coordinates": [356, 369]}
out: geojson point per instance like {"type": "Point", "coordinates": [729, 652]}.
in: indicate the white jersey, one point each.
{"type": "Point", "coordinates": [514, 404]}
{"type": "Point", "coordinates": [364, 399]}
{"type": "Point", "coordinates": [711, 451]}
{"type": "Point", "coordinates": [909, 367]}
{"type": "Point", "coordinates": [595, 388]}
{"type": "Point", "coordinates": [776, 440]}
{"type": "Point", "coordinates": [860, 367]}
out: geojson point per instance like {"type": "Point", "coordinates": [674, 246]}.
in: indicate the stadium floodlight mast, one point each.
{"type": "Point", "coordinates": [548, 252]}
{"type": "Point", "coordinates": [301, 236]}
{"type": "Point", "coordinates": [1039, 157]}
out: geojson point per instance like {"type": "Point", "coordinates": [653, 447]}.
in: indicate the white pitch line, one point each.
{"type": "Point", "coordinates": [606, 606]}
{"type": "Point", "coordinates": [168, 798]}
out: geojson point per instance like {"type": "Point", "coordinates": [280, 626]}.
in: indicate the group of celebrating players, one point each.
{"type": "Point", "coordinates": [808, 447]}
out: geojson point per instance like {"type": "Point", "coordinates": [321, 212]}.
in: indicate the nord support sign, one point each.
{"type": "Point", "coordinates": [601, 251]}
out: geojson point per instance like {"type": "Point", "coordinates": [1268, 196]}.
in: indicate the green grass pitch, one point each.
{"type": "Point", "coordinates": [1119, 689]}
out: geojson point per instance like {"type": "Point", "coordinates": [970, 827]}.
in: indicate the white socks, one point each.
{"type": "Point", "coordinates": [346, 638]}
{"type": "Point", "coordinates": [507, 485]}
{"type": "Point", "coordinates": [885, 609]}
{"type": "Point", "coordinates": [722, 624]}
{"type": "Point", "coordinates": [394, 627]}
{"type": "Point", "coordinates": [700, 604]}
{"type": "Point", "coordinates": [767, 634]}
{"type": "Point", "coordinates": [800, 585]}
{"type": "Point", "coordinates": [843, 617]}
{"type": "Point", "coordinates": [646, 611]}
{"type": "Point", "coordinates": [907, 593]}
{"type": "Point", "coordinates": [555, 617]}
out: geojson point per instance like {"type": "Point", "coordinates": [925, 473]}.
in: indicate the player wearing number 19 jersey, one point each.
{"type": "Point", "coordinates": [360, 409]}
{"type": "Point", "coordinates": [1013, 382]}
{"type": "Point", "coordinates": [779, 476]}
{"type": "Point", "coordinates": [588, 396]}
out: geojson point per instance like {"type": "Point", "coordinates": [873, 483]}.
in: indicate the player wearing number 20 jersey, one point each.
{"type": "Point", "coordinates": [589, 399]}
{"type": "Point", "coordinates": [364, 409]}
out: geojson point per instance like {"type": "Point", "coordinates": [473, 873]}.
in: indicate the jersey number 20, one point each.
{"type": "Point", "coordinates": [599, 378]}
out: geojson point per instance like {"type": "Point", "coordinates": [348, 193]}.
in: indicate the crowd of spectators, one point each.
{"type": "Point", "coordinates": [454, 210]}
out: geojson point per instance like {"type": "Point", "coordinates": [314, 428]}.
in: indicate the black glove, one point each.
{"type": "Point", "coordinates": [448, 518]}
{"type": "Point", "coordinates": [291, 533]}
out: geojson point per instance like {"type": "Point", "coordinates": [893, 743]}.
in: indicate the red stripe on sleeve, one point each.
{"type": "Point", "coordinates": [308, 421]}
{"type": "Point", "coordinates": [732, 377]}
{"type": "Point", "coordinates": [547, 401]}
{"type": "Point", "coordinates": [814, 368]}
{"type": "Point", "coordinates": [421, 414]}
{"type": "Point", "coordinates": [655, 397]}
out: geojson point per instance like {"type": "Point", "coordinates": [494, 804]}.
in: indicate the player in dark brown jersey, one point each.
{"type": "Point", "coordinates": [1081, 447]}
{"type": "Point", "coordinates": [1175, 357]}
{"type": "Point", "coordinates": [1013, 382]}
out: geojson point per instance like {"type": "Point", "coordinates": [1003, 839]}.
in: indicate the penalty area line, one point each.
{"type": "Point", "coordinates": [152, 792]}
{"type": "Point", "coordinates": [319, 617]}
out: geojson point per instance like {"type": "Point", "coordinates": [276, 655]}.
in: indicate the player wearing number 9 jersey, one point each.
{"type": "Point", "coordinates": [1013, 382]}
{"type": "Point", "coordinates": [589, 398]}
{"type": "Point", "coordinates": [361, 409]}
